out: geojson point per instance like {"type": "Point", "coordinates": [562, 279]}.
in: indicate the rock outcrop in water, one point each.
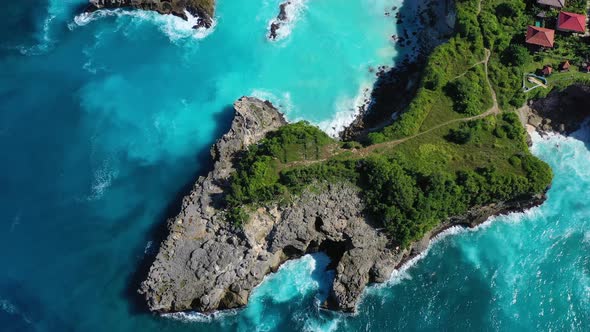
{"type": "Point", "coordinates": [279, 21]}
{"type": "Point", "coordinates": [203, 9]}
{"type": "Point", "coordinates": [205, 264]}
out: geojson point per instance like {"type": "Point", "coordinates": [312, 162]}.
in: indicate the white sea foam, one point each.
{"type": "Point", "coordinates": [174, 27]}
{"type": "Point", "coordinates": [402, 273]}
{"type": "Point", "coordinates": [294, 11]}
{"type": "Point", "coordinates": [347, 109]}
{"type": "Point", "coordinates": [192, 317]}
{"type": "Point", "coordinates": [103, 178]}
{"type": "Point", "coordinates": [282, 102]}
{"type": "Point", "coordinates": [148, 248]}
{"type": "Point", "coordinates": [314, 325]}
{"type": "Point", "coordinates": [45, 41]}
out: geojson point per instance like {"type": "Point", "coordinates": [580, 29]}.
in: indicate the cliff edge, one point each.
{"type": "Point", "coordinates": [561, 111]}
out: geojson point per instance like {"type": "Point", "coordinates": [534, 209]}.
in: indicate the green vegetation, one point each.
{"type": "Point", "coordinates": [469, 92]}
{"type": "Point", "coordinates": [440, 158]}
{"type": "Point", "coordinates": [257, 173]}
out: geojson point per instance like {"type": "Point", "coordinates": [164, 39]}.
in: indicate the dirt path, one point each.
{"type": "Point", "coordinates": [364, 152]}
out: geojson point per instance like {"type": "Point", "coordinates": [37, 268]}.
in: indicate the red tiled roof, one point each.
{"type": "Point", "coordinates": [540, 36]}
{"type": "Point", "coordinates": [547, 70]}
{"type": "Point", "coordinates": [571, 22]}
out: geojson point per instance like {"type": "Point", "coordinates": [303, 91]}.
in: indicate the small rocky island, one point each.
{"type": "Point", "coordinates": [202, 9]}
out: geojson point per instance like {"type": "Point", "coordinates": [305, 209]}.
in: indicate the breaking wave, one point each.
{"type": "Point", "coordinates": [294, 10]}
{"type": "Point", "coordinates": [175, 28]}
{"type": "Point", "coordinates": [347, 109]}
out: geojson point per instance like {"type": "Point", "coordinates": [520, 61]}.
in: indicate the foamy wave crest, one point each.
{"type": "Point", "coordinates": [45, 41]}
{"type": "Point", "coordinates": [402, 273]}
{"type": "Point", "coordinates": [312, 324]}
{"type": "Point", "coordinates": [282, 102]}
{"type": "Point", "coordinates": [174, 27]}
{"type": "Point", "coordinates": [347, 109]}
{"type": "Point", "coordinates": [294, 10]}
{"type": "Point", "coordinates": [195, 317]}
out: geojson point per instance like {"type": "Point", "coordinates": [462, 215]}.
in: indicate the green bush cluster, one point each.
{"type": "Point", "coordinates": [446, 61]}
{"type": "Point", "coordinates": [411, 203]}
{"type": "Point", "coordinates": [510, 128]}
{"type": "Point", "coordinates": [414, 187]}
{"type": "Point", "coordinates": [469, 92]}
{"type": "Point", "coordinates": [297, 141]}
{"type": "Point", "coordinates": [466, 132]}
{"type": "Point", "coordinates": [256, 178]}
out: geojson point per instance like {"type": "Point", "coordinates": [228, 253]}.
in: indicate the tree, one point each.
{"type": "Point", "coordinates": [466, 93]}
{"type": "Point", "coordinates": [516, 55]}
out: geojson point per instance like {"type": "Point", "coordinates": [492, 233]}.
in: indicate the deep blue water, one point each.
{"type": "Point", "coordinates": [105, 121]}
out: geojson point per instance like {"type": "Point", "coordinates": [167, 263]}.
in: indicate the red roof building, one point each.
{"type": "Point", "coordinates": [571, 22]}
{"type": "Point", "coordinates": [540, 36]}
{"type": "Point", "coordinates": [565, 66]}
{"type": "Point", "coordinates": [547, 70]}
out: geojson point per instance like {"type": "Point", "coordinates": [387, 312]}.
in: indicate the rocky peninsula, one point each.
{"type": "Point", "coordinates": [208, 264]}
{"type": "Point", "coordinates": [454, 155]}
{"type": "Point", "coordinates": [204, 10]}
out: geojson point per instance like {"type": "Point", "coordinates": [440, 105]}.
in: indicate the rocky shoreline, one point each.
{"type": "Point", "coordinates": [206, 264]}
{"type": "Point", "coordinates": [561, 111]}
{"type": "Point", "coordinates": [204, 10]}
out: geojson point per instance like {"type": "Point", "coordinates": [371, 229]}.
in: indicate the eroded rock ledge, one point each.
{"type": "Point", "coordinates": [561, 111]}
{"type": "Point", "coordinates": [203, 9]}
{"type": "Point", "coordinates": [205, 264]}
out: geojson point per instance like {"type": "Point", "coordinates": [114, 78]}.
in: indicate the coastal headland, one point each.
{"type": "Point", "coordinates": [456, 154]}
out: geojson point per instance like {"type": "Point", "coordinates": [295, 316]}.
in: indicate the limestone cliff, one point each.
{"type": "Point", "coordinates": [203, 9]}
{"type": "Point", "coordinates": [561, 111]}
{"type": "Point", "coordinates": [205, 264]}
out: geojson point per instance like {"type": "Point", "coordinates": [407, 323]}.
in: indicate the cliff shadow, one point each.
{"type": "Point", "coordinates": [396, 86]}
{"type": "Point", "coordinates": [565, 112]}
{"type": "Point", "coordinates": [583, 134]}
{"type": "Point", "coordinates": [159, 231]}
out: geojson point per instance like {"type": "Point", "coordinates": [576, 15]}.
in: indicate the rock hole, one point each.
{"type": "Point", "coordinates": [319, 222]}
{"type": "Point", "coordinates": [335, 250]}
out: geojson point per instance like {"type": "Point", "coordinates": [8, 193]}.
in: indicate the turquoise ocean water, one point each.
{"type": "Point", "coordinates": [106, 120]}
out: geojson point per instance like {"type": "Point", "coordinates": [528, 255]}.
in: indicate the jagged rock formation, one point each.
{"type": "Point", "coordinates": [562, 111]}
{"type": "Point", "coordinates": [279, 21]}
{"type": "Point", "coordinates": [205, 264]}
{"type": "Point", "coordinates": [203, 9]}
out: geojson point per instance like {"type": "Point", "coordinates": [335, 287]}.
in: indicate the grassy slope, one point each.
{"type": "Point", "coordinates": [429, 164]}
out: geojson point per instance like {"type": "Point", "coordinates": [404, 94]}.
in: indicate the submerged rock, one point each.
{"type": "Point", "coordinates": [203, 9]}
{"type": "Point", "coordinates": [206, 264]}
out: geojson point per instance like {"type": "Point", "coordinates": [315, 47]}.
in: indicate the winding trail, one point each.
{"type": "Point", "coordinates": [364, 152]}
